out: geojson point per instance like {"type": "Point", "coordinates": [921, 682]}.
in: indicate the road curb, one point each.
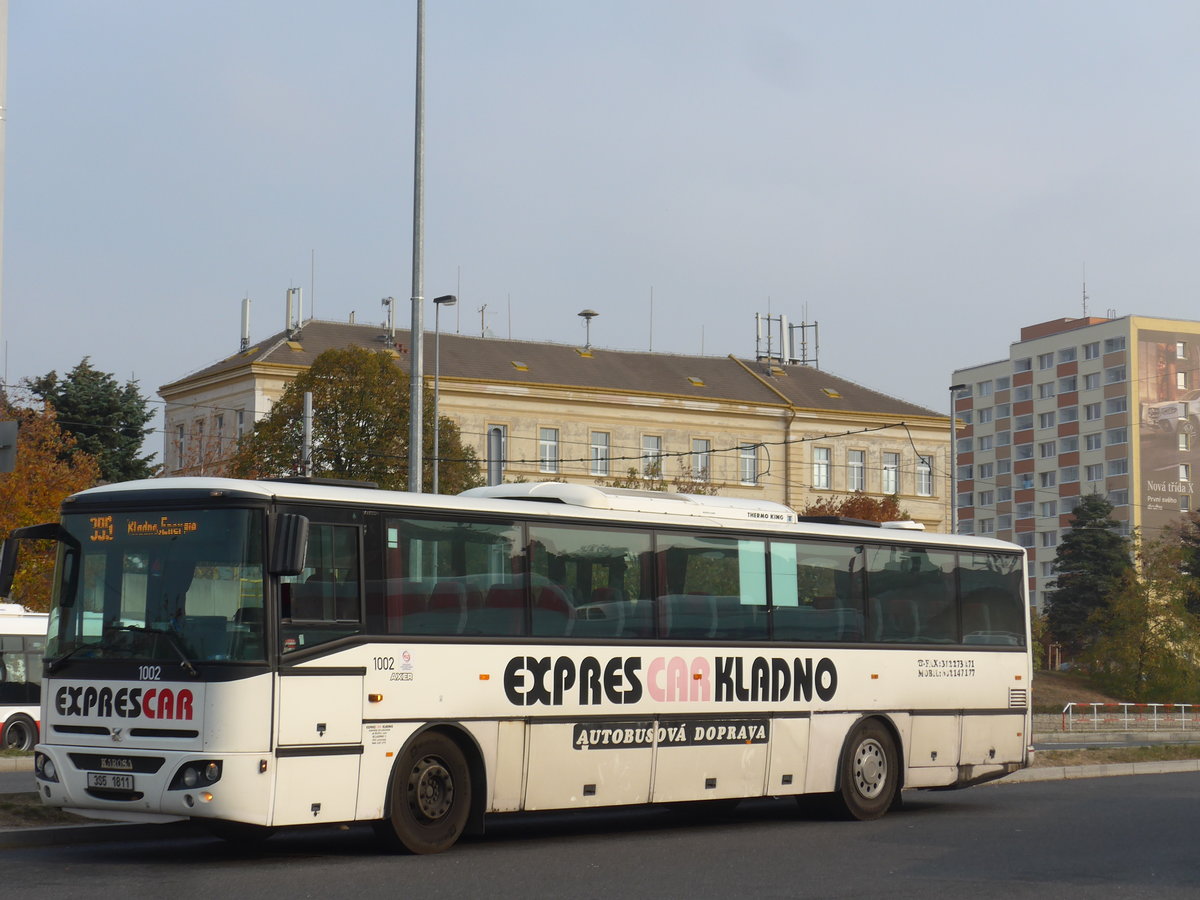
{"type": "Point", "coordinates": [1069, 773]}
{"type": "Point", "coordinates": [16, 763]}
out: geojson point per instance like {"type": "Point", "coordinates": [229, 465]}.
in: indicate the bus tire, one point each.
{"type": "Point", "coordinates": [20, 733]}
{"type": "Point", "coordinates": [431, 795]}
{"type": "Point", "coordinates": [869, 773]}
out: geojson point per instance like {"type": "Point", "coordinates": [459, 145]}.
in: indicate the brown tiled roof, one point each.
{"type": "Point", "coordinates": [495, 360]}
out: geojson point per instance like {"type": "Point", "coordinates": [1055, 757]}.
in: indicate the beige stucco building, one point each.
{"type": "Point", "coordinates": [753, 428]}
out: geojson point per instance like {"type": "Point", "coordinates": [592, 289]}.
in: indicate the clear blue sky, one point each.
{"type": "Point", "coordinates": [922, 178]}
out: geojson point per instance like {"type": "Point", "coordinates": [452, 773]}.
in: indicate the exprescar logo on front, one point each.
{"type": "Point", "coordinates": [124, 703]}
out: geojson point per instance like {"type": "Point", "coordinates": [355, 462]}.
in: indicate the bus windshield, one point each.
{"type": "Point", "coordinates": [182, 586]}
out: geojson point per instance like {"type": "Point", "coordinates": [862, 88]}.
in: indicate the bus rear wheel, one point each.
{"type": "Point", "coordinates": [431, 796]}
{"type": "Point", "coordinates": [869, 773]}
{"type": "Point", "coordinates": [19, 733]}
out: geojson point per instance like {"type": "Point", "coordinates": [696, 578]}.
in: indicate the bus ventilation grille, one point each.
{"type": "Point", "coordinates": [1018, 698]}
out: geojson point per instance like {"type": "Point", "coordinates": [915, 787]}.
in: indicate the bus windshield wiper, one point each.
{"type": "Point", "coordinates": [57, 663]}
{"type": "Point", "coordinates": [184, 662]}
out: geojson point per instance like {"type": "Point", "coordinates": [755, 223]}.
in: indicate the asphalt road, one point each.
{"type": "Point", "coordinates": [1101, 837]}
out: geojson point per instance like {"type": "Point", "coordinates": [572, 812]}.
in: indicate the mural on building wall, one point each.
{"type": "Point", "coordinates": [1168, 392]}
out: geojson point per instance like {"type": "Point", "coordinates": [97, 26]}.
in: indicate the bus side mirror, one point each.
{"type": "Point", "coordinates": [289, 545]}
{"type": "Point", "coordinates": [8, 557]}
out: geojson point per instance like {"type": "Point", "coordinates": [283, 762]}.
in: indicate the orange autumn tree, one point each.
{"type": "Point", "coordinates": [859, 506]}
{"type": "Point", "coordinates": [47, 471]}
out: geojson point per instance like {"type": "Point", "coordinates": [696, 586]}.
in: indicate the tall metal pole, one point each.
{"type": "Point", "coordinates": [417, 337]}
{"type": "Point", "coordinates": [3, 139]}
{"type": "Point", "coordinates": [952, 457]}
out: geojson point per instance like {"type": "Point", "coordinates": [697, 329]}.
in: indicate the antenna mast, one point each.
{"type": "Point", "coordinates": [1085, 296]}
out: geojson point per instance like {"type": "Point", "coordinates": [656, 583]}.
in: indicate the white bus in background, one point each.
{"type": "Point", "coordinates": [266, 654]}
{"type": "Point", "coordinates": [22, 645]}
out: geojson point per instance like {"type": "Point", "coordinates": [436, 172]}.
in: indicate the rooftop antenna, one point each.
{"type": "Point", "coordinates": [390, 304]}
{"type": "Point", "coordinates": [1085, 296]}
{"type": "Point", "coordinates": [587, 315]}
{"type": "Point", "coordinates": [482, 320]}
{"type": "Point", "coordinates": [246, 322]}
{"type": "Point", "coordinates": [651, 347]}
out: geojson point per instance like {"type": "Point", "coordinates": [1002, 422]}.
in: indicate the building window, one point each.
{"type": "Point", "coordinates": [1045, 390]}
{"type": "Point", "coordinates": [1091, 382]}
{"type": "Point", "coordinates": [1049, 508]}
{"type": "Point", "coordinates": [987, 526]}
{"type": "Point", "coordinates": [1118, 467]}
{"type": "Point", "coordinates": [1046, 420]}
{"type": "Point", "coordinates": [1025, 481]}
{"type": "Point", "coordinates": [984, 415]}
{"type": "Point", "coordinates": [1003, 410]}
{"type": "Point", "coordinates": [241, 423]}
{"type": "Point", "coordinates": [1047, 449]}
{"type": "Point", "coordinates": [1024, 510]}
{"type": "Point", "coordinates": [1091, 412]}
{"type": "Point", "coordinates": [651, 456]}
{"type": "Point", "coordinates": [1116, 405]}
{"type": "Point", "coordinates": [701, 459]}
{"type": "Point", "coordinates": [1024, 539]}
{"type": "Point", "coordinates": [503, 429]}
{"type": "Point", "coordinates": [1067, 385]}
{"type": "Point", "coordinates": [924, 476]}
{"type": "Point", "coordinates": [1180, 350]}
{"type": "Point", "coordinates": [1068, 414]}
{"type": "Point", "coordinates": [548, 450]}
{"type": "Point", "coordinates": [820, 475]}
{"type": "Point", "coordinates": [983, 389]}
{"type": "Point", "coordinates": [1092, 441]}
{"type": "Point", "coordinates": [1048, 479]}
{"type": "Point", "coordinates": [964, 445]}
{"type": "Point", "coordinates": [1003, 382]}
{"type": "Point", "coordinates": [966, 473]}
{"type": "Point", "coordinates": [891, 473]}
{"type": "Point", "coordinates": [1114, 375]}
{"type": "Point", "coordinates": [1092, 350]}
{"type": "Point", "coordinates": [180, 442]}
{"type": "Point", "coordinates": [1022, 365]}
{"type": "Point", "coordinates": [1024, 451]}
{"type": "Point", "coordinates": [1003, 466]}
{"type": "Point", "coordinates": [601, 447]}
{"type": "Point", "coordinates": [1003, 438]}
{"type": "Point", "coordinates": [1112, 345]}
{"type": "Point", "coordinates": [1023, 423]}
{"type": "Point", "coordinates": [1068, 444]}
{"type": "Point", "coordinates": [1119, 498]}
{"type": "Point", "coordinates": [1066, 355]}
{"type": "Point", "coordinates": [857, 463]}
{"type": "Point", "coordinates": [1185, 441]}
{"type": "Point", "coordinates": [748, 464]}
{"type": "Point", "coordinates": [984, 442]}
{"type": "Point", "coordinates": [1184, 503]}
{"type": "Point", "coordinates": [1004, 522]}
{"type": "Point", "coordinates": [987, 498]}
{"type": "Point", "coordinates": [1047, 569]}
{"type": "Point", "coordinates": [1069, 474]}
{"type": "Point", "coordinates": [965, 415]}
{"type": "Point", "coordinates": [965, 499]}
{"type": "Point", "coordinates": [1045, 360]}
{"type": "Point", "coordinates": [1181, 380]}
{"type": "Point", "coordinates": [987, 471]}
{"type": "Point", "coordinates": [1185, 472]}
{"type": "Point", "coordinates": [1023, 392]}
{"type": "Point", "coordinates": [1116, 436]}
{"type": "Point", "coordinates": [1003, 493]}
{"type": "Point", "coordinates": [1094, 473]}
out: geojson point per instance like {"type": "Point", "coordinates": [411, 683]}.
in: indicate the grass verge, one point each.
{"type": "Point", "coordinates": [26, 811]}
{"type": "Point", "coordinates": [1102, 755]}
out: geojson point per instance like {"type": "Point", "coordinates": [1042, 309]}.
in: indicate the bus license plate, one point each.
{"type": "Point", "coordinates": [105, 781]}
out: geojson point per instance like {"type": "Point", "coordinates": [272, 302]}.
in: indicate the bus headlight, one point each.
{"type": "Point", "coordinates": [197, 772]}
{"type": "Point", "coordinates": [43, 767]}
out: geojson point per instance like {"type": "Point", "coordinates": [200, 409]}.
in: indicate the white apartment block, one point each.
{"type": "Point", "coordinates": [1079, 406]}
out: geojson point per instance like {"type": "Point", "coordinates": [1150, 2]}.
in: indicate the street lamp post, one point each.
{"type": "Point", "coordinates": [438, 303]}
{"type": "Point", "coordinates": [953, 473]}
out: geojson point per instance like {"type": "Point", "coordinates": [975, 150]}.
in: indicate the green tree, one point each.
{"type": "Point", "coordinates": [1092, 562]}
{"type": "Point", "coordinates": [107, 419]}
{"type": "Point", "coordinates": [359, 429]}
{"type": "Point", "coordinates": [859, 506]}
{"type": "Point", "coordinates": [49, 468]}
{"type": "Point", "coordinates": [685, 482]}
{"type": "Point", "coordinates": [1189, 541]}
{"type": "Point", "coordinates": [1146, 648]}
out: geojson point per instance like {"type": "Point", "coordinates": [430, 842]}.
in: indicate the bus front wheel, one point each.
{"type": "Point", "coordinates": [431, 795]}
{"type": "Point", "coordinates": [869, 773]}
{"type": "Point", "coordinates": [19, 733]}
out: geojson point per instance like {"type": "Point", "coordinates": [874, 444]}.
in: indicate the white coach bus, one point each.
{"type": "Point", "coordinates": [22, 645]}
{"type": "Point", "coordinates": [266, 654]}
